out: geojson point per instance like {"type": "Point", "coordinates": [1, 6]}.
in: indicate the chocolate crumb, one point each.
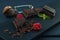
{"type": "Point", "coordinates": [6, 30]}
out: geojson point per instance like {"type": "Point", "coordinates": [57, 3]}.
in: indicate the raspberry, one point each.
{"type": "Point", "coordinates": [19, 16]}
{"type": "Point", "coordinates": [36, 26]}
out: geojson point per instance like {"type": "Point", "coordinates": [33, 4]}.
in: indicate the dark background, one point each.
{"type": "Point", "coordinates": [53, 32]}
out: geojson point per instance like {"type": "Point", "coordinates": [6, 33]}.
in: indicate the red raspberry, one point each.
{"type": "Point", "coordinates": [19, 16]}
{"type": "Point", "coordinates": [36, 26]}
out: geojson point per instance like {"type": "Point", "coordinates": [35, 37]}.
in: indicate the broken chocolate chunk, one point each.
{"type": "Point", "coordinates": [29, 12]}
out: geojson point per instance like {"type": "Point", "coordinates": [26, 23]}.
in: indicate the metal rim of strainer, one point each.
{"type": "Point", "coordinates": [29, 6]}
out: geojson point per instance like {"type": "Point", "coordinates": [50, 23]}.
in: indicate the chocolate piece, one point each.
{"type": "Point", "coordinates": [46, 12]}
{"type": "Point", "coordinates": [37, 10]}
{"type": "Point", "coordinates": [6, 30]}
{"type": "Point", "coordinates": [49, 11]}
{"type": "Point", "coordinates": [29, 12]}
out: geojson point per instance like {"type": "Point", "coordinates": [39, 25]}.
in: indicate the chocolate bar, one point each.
{"type": "Point", "coordinates": [49, 11]}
